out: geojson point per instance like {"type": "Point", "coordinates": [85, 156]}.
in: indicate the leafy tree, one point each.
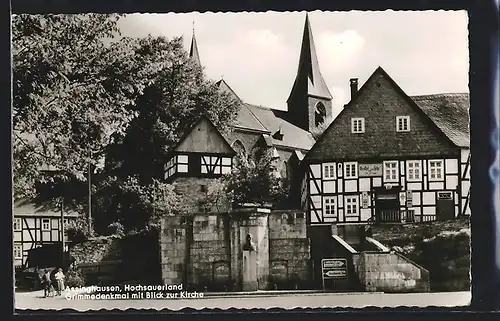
{"type": "Point", "coordinates": [178, 95]}
{"type": "Point", "coordinates": [255, 181]}
{"type": "Point", "coordinates": [73, 85]}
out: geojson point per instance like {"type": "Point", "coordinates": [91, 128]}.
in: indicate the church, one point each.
{"type": "Point", "coordinates": [387, 156]}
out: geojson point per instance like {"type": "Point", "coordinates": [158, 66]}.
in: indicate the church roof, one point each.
{"type": "Point", "coordinates": [308, 71]}
{"type": "Point", "coordinates": [193, 50]}
{"type": "Point", "coordinates": [450, 112]}
{"type": "Point", "coordinates": [293, 136]}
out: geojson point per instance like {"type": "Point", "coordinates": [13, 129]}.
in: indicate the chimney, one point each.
{"type": "Point", "coordinates": [354, 87]}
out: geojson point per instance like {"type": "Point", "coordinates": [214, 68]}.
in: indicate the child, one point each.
{"type": "Point", "coordinates": [60, 281]}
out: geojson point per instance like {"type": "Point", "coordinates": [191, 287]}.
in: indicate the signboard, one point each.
{"type": "Point", "coordinates": [402, 198]}
{"type": "Point", "coordinates": [409, 199]}
{"type": "Point", "coordinates": [364, 200]}
{"type": "Point", "coordinates": [370, 170]}
{"type": "Point", "coordinates": [221, 270]}
{"type": "Point", "coordinates": [444, 196]}
{"type": "Point", "coordinates": [279, 269]}
{"type": "Point", "coordinates": [333, 269]}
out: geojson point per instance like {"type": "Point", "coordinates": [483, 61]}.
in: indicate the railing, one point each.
{"type": "Point", "coordinates": [407, 216]}
{"type": "Point", "coordinates": [425, 218]}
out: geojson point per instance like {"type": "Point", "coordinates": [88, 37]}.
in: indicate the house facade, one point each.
{"type": "Point", "coordinates": [35, 226]}
{"type": "Point", "coordinates": [390, 158]}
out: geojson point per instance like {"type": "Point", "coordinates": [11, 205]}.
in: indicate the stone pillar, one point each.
{"type": "Point", "coordinates": [250, 282]}
{"type": "Point", "coordinates": [253, 221]}
{"type": "Point", "coordinates": [174, 248]}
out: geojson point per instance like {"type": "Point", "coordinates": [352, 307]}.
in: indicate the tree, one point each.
{"type": "Point", "coordinates": [178, 95]}
{"type": "Point", "coordinates": [73, 85]}
{"type": "Point", "coordinates": [255, 181]}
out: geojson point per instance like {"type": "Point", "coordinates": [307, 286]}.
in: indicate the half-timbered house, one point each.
{"type": "Point", "coordinates": [35, 226]}
{"type": "Point", "coordinates": [388, 157]}
{"type": "Point", "coordinates": [201, 156]}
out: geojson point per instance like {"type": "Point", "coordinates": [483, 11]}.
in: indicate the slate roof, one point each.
{"type": "Point", "coordinates": [273, 120]}
{"type": "Point", "coordinates": [450, 112]}
{"type": "Point", "coordinates": [29, 208]}
{"type": "Point", "coordinates": [308, 70]}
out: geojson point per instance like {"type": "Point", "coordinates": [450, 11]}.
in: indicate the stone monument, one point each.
{"type": "Point", "coordinates": [250, 281]}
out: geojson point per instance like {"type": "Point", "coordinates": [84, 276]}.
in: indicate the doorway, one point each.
{"type": "Point", "coordinates": [445, 206]}
{"type": "Point", "coordinates": [321, 240]}
{"type": "Point", "coordinates": [387, 206]}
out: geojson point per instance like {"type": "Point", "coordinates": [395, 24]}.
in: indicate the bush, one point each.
{"type": "Point", "coordinates": [116, 228]}
{"type": "Point", "coordinates": [74, 278]}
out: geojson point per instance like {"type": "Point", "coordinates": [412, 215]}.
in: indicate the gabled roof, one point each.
{"type": "Point", "coordinates": [201, 142]}
{"type": "Point", "coordinates": [293, 137]}
{"type": "Point", "coordinates": [431, 116]}
{"type": "Point", "coordinates": [450, 112]}
{"type": "Point", "coordinates": [308, 71]}
{"type": "Point", "coordinates": [245, 118]}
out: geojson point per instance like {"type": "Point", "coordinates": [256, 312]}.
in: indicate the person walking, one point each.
{"type": "Point", "coordinates": [47, 283]}
{"type": "Point", "coordinates": [60, 281]}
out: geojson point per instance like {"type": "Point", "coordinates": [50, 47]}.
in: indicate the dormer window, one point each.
{"type": "Point", "coordinates": [357, 125]}
{"type": "Point", "coordinates": [403, 123]}
{"type": "Point", "coordinates": [278, 135]}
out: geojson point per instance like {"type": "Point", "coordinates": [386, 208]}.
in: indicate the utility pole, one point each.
{"type": "Point", "coordinates": [90, 194]}
{"type": "Point", "coordinates": [62, 233]}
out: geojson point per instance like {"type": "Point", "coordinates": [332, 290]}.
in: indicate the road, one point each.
{"type": "Point", "coordinates": [328, 300]}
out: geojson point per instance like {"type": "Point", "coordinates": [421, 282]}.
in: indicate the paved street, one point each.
{"type": "Point", "coordinates": [329, 300]}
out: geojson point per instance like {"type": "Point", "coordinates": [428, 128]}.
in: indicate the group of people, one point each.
{"type": "Point", "coordinates": [48, 282]}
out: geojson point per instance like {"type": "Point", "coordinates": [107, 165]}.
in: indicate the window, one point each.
{"type": "Point", "coordinates": [46, 224]}
{"type": "Point", "coordinates": [435, 170]}
{"type": "Point", "coordinates": [403, 123]}
{"type": "Point", "coordinates": [391, 171]}
{"type": "Point", "coordinates": [414, 171]}
{"type": "Point", "coordinates": [182, 163]}
{"type": "Point", "coordinates": [18, 251]}
{"type": "Point", "coordinates": [319, 114]}
{"type": "Point", "coordinates": [357, 125]}
{"type": "Point", "coordinates": [351, 170]}
{"type": "Point", "coordinates": [351, 205]}
{"type": "Point", "coordinates": [329, 206]}
{"type": "Point", "coordinates": [215, 165]}
{"type": "Point", "coordinates": [17, 224]}
{"type": "Point", "coordinates": [329, 171]}
{"type": "Point", "coordinates": [170, 167]}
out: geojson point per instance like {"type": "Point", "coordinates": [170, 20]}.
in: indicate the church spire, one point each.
{"type": "Point", "coordinates": [193, 51]}
{"type": "Point", "coordinates": [308, 71]}
{"type": "Point", "coordinates": [310, 101]}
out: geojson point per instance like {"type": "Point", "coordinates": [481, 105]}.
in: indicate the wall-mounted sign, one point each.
{"type": "Point", "coordinates": [402, 198]}
{"type": "Point", "coordinates": [409, 199]}
{"type": "Point", "coordinates": [444, 196]}
{"type": "Point", "coordinates": [364, 200]}
{"type": "Point", "coordinates": [333, 269]}
{"type": "Point", "coordinates": [369, 170]}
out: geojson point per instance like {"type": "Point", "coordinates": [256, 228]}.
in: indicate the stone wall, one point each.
{"type": "Point", "coordinates": [204, 250]}
{"type": "Point", "coordinates": [390, 272]}
{"type": "Point", "coordinates": [289, 250]}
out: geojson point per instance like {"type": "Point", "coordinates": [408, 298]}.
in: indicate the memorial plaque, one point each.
{"type": "Point", "coordinates": [370, 170]}
{"type": "Point", "coordinates": [279, 269]}
{"type": "Point", "coordinates": [221, 271]}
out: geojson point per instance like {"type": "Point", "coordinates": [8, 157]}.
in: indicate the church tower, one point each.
{"type": "Point", "coordinates": [310, 101]}
{"type": "Point", "coordinates": [193, 50]}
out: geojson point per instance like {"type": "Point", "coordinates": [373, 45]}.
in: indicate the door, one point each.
{"type": "Point", "coordinates": [387, 208]}
{"type": "Point", "coordinates": [321, 247]}
{"type": "Point", "coordinates": [445, 207]}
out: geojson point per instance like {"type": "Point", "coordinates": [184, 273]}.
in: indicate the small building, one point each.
{"type": "Point", "coordinates": [201, 156]}
{"type": "Point", "coordinates": [35, 226]}
{"type": "Point", "coordinates": [389, 158]}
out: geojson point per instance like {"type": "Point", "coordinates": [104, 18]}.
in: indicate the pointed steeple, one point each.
{"type": "Point", "coordinates": [308, 71]}
{"type": "Point", "coordinates": [193, 51]}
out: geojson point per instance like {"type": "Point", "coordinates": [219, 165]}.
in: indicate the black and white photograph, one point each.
{"type": "Point", "coordinates": [251, 160]}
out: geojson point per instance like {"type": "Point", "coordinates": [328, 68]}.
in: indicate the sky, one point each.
{"type": "Point", "coordinates": [425, 52]}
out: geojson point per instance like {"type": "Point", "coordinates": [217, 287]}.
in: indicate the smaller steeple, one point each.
{"type": "Point", "coordinates": [193, 51]}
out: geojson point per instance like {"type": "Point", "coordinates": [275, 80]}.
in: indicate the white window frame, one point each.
{"type": "Point", "coordinates": [44, 220]}
{"type": "Point", "coordinates": [354, 125]}
{"type": "Point", "coordinates": [182, 163]}
{"type": "Point", "coordinates": [405, 120]}
{"type": "Point", "coordinates": [351, 201]}
{"type": "Point", "coordinates": [388, 165]}
{"type": "Point", "coordinates": [439, 170]}
{"type": "Point", "coordinates": [329, 171]}
{"type": "Point", "coordinates": [17, 224]}
{"type": "Point", "coordinates": [347, 169]}
{"type": "Point", "coordinates": [330, 202]}
{"type": "Point", "coordinates": [19, 249]}
{"type": "Point", "coordinates": [410, 171]}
